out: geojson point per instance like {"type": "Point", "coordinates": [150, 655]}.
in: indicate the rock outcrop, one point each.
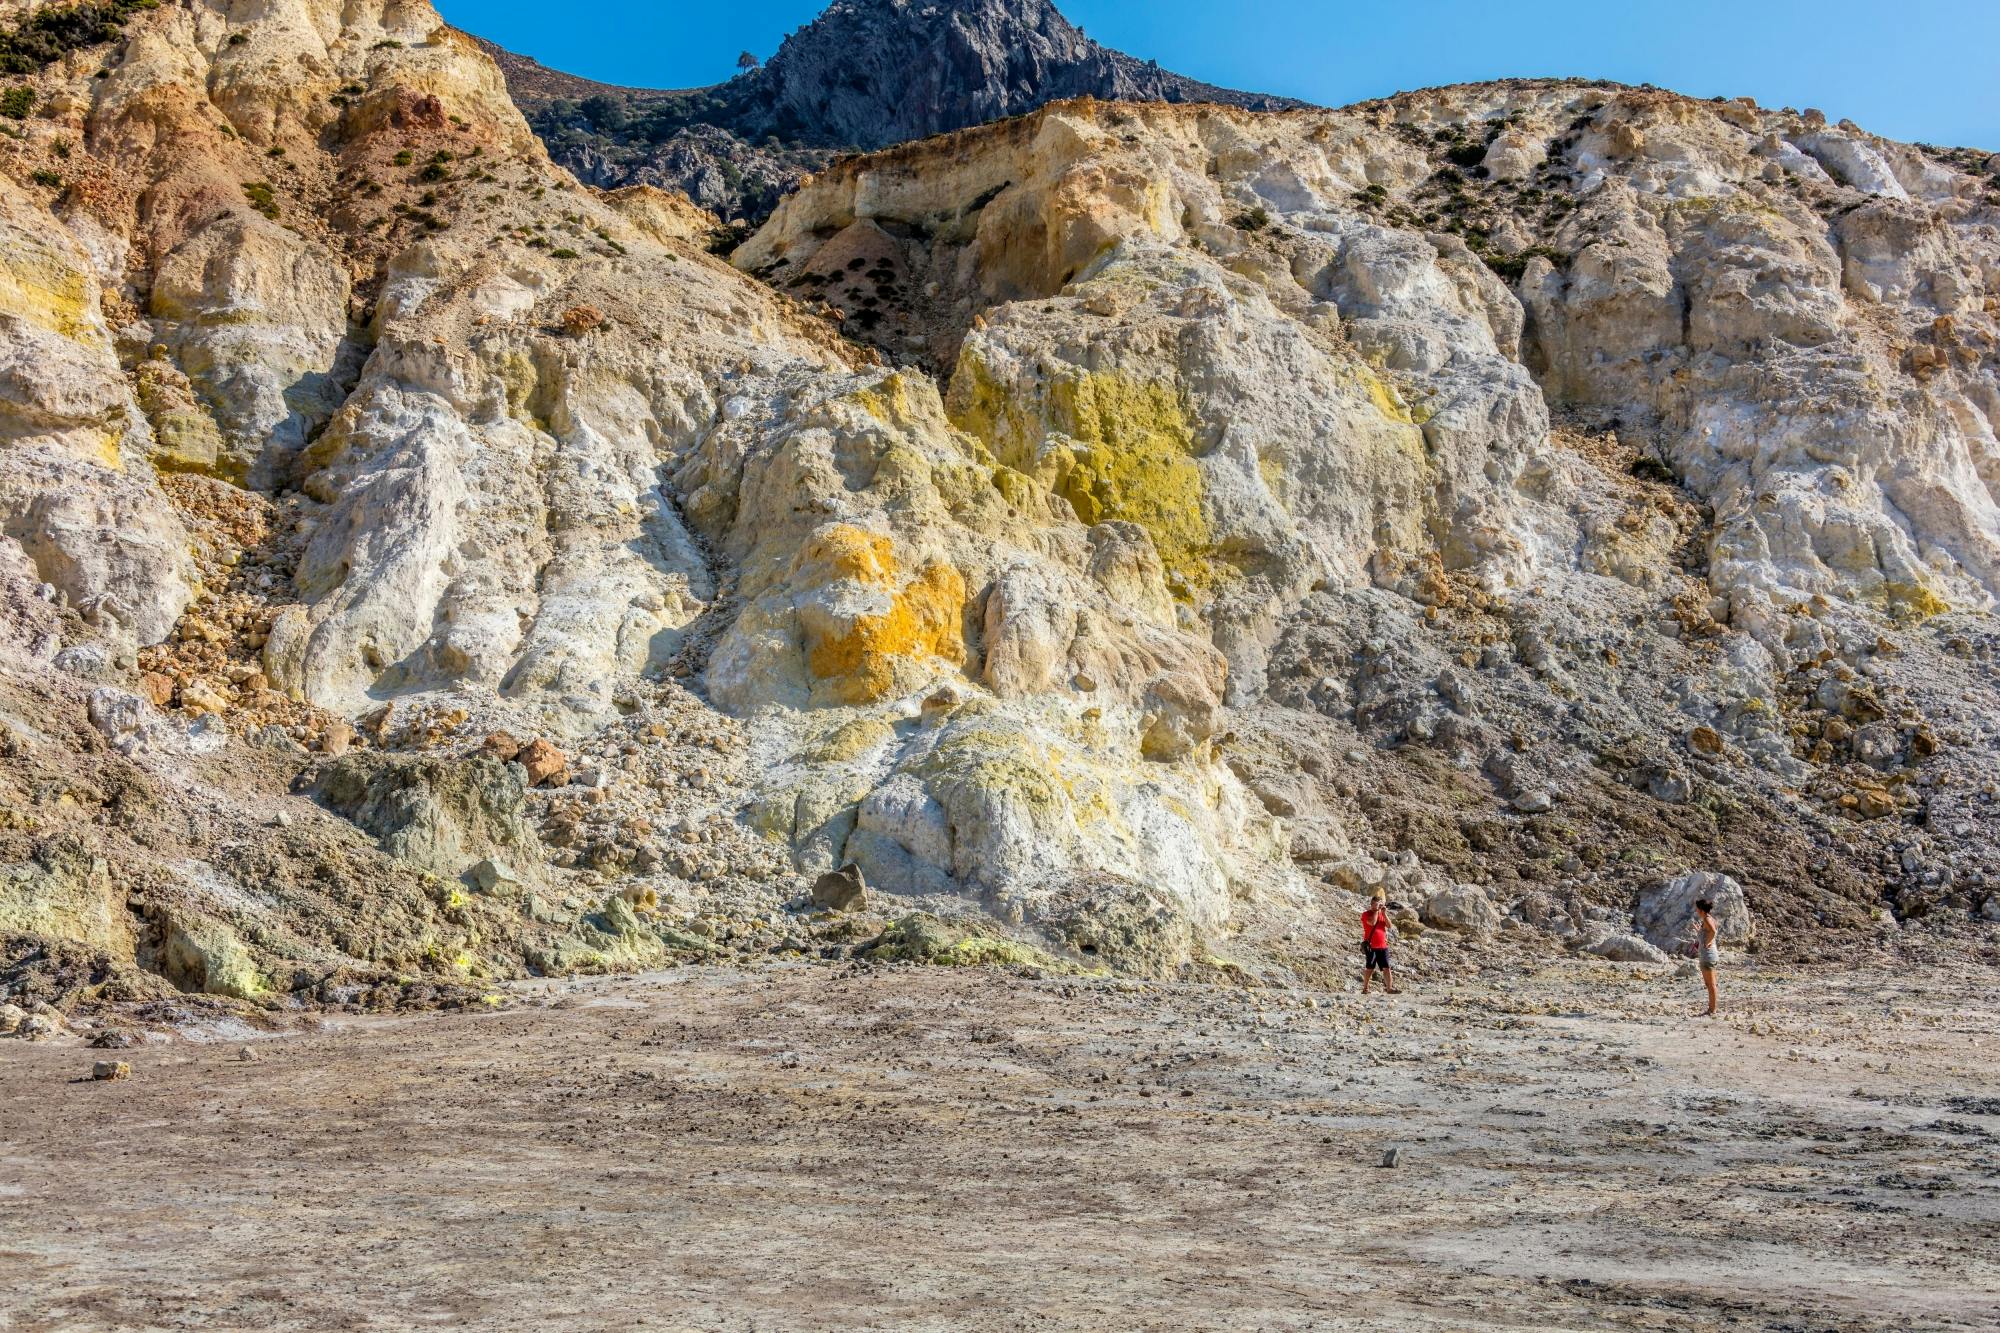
{"type": "Point", "coordinates": [865, 74]}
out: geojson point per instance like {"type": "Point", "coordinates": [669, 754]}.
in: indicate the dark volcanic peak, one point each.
{"type": "Point", "coordinates": [864, 75]}
{"type": "Point", "coordinates": [870, 73]}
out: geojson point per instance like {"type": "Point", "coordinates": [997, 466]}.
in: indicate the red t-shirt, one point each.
{"type": "Point", "coordinates": [1375, 928]}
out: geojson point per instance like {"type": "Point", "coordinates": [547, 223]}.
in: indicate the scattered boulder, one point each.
{"type": "Point", "coordinates": [543, 761]}
{"type": "Point", "coordinates": [922, 938]}
{"type": "Point", "coordinates": [1464, 908]}
{"type": "Point", "coordinates": [1665, 914]}
{"type": "Point", "coordinates": [127, 721]}
{"type": "Point", "coordinates": [158, 687]}
{"type": "Point", "coordinates": [433, 812]}
{"type": "Point", "coordinates": [494, 876]}
{"type": "Point", "coordinates": [12, 1016]}
{"type": "Point", "coordinates": [1114, 923]}
{"type": "Point", "coordinates": [1534, 801]}
{"type": "Point", "coordinates": [1619, 947]}
{"type": "Point", "coordinates": [842, 890]}
{"type": "Point", "coordinates": [206, 957]}
{"type": "Point", "coordinates": [108, 1071]}
{"type": "Point", "coordinates": [616, 917]}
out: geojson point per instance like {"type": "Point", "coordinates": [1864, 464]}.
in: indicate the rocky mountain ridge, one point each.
{"type": "Point", "coordinates": [864, 75]}
{"type": "Point", "coordinates": [1123, 533]}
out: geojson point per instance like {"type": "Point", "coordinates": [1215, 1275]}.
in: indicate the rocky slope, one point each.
{"type": "Point", "coordinates": [865, 74]}
{"type": "Point", "coordinates": [1123, 532]}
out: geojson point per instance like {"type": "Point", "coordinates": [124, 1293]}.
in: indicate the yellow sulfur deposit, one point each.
{"type": "Point", "coordinates": [1131, 456]}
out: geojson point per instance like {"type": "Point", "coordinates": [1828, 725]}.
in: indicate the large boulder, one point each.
{"type": "Point", "coordinates": [1464, 908]}
{"type": "Point", "coordinates": [1618, 947]}
{"type": "Point", "coordinates": [1665, 914]}
{"type": "Point", "coordinates": [437, 814]}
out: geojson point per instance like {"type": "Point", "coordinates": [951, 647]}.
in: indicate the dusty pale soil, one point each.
{"type": "Point", "coordinates": [804, 1147]}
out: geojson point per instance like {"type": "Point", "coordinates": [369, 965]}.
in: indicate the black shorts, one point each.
{"type": "Point", "coordinates": [1376, 958]}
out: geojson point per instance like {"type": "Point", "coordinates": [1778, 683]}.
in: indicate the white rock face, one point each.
{"type": "Point", "coordinates": [77, 496]}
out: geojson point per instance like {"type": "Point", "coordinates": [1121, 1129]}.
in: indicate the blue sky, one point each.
{"type": "Point", "coordinates": [1914, 69]}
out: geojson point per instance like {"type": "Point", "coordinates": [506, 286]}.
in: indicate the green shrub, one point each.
{"type": "Point", "coordinates": [49, 34]}
{"type": "Point", "coordinates": [404, 158]}
{"type": "Point", "coordinates": [261, 198]}
{"type": "Point", "coordinates": [50, 179]}
{"type": "Point", "coordinates": [16, 103]}
{"type": "Point", "coordinates": [564, 253]}
{"type": "Point", "coordinates": [1511, 267]}
{"type": "Point", "coordinates": [1255, 219]}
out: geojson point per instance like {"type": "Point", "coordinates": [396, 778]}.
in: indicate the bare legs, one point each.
{"type": "Point", "coordinates": [1708, 980]}
{"type": "Point", "coordinates": [1388, 980]}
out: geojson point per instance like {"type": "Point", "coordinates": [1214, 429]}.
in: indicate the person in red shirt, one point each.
{"type": "Point", "coordinates": [1375, 943]}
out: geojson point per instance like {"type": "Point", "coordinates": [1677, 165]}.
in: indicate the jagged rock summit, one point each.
{"type": "Point", "coordinates": [865, 74]}
{"type": "Point", "coordinates": [870, 73]}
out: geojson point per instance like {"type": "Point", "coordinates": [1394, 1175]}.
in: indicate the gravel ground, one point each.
{"type": "Point", "coordinates": [810, 1147]}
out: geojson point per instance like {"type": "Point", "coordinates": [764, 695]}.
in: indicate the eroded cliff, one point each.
{"type": "Point", "coordinates": [1124, 532]}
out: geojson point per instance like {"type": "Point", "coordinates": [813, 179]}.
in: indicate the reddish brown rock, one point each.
{"type": "Point", "coordinates": [157, 687]}
{"type": "Point", "coordinates": [543, 761]}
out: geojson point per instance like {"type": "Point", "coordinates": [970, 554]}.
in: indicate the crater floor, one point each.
{"type": "Point", "coordinates": [811, 1147]}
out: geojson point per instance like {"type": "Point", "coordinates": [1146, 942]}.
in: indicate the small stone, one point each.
{"type": "Point", "coordinates": [1391, 1156]}
{"type": "Point", "coordinates": [492, 876]}
{"type": "Point", "coordinates": [198, 696]}
{"type": "Point", "coordinates": [105, 1071]}
{"type": "Point", "coordinates": [1873, 803]}
{"type": "Point", "coordinates": [500, 745]}
{"type": "Point", "coordinates": [1534, 802]}
{"type": "Point", "coordinates": [841, 890]}
{"type": "Point", "coordinates": [158, 687]}
{"type": "Point", "coordinates": [1705, 740]}
{"type": "Point", "coordinates": [246, 1055]}
{"type": "Point", "coordinates": [12, 1016]}
{"type": "Point", "coordinates": [337, 739]}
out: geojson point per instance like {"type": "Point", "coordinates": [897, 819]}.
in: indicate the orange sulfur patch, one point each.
{"type": "Point", "coordinates": [861, 660]}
